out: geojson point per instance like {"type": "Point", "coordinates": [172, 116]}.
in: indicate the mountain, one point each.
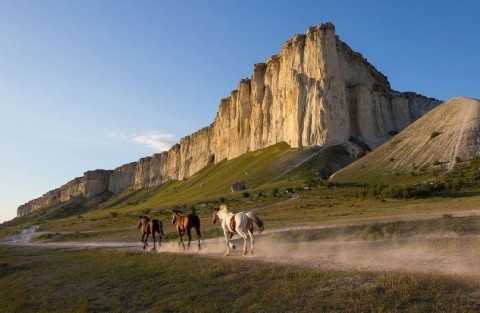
{"type": "Point", "coordinates": [447, 135]}
{"type": "Point", "coordinates": [316, 92]}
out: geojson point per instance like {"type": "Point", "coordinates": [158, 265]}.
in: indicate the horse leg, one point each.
{"type": "Point", "coordinates": [143, 241]}
{"type": "Point", "coordinates": [228, 246]}
{"type": "Point", "coordinates": [159, 239]}
{"type": "Point", "coordinates": [181, 240]}
{"type": "Point", "coordinates": [252, 240]}
{"type": "Point", "coordinates": [199, 236]}
{"type": "Point", "coordinates": [189, 238]}
{"type": "Point", "coordinates": [244, 236]}
{"type": "Point", "coordinates": [146, 242]}
{"type": "Point", "coordinates": [227, 241]}
{"type": "Point", "coordinates": [153, 235]}
{"type": "Point", "coordinates": [231, 244]}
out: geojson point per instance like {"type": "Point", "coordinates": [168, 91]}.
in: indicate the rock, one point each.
{"type": "Point", "coordinates": [238, 186]}
{"type": "Point", "coordinates": [316, 92]}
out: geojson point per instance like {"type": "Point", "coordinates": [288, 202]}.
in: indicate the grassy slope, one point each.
{"type": "Point", "coordinates": [334, 204]}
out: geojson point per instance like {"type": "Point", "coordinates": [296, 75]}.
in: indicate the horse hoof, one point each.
{"type": "Point", "coordinates": [234, 247]}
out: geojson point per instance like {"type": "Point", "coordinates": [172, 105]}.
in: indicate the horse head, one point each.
{"type": "Point", "coordinates": [215, 215]}
{"type": "Point", "coordinates": [175, 214]}
{"type": "Point", "coordinates": [223, 209]}
{"type": "Point", "coordinates": [141, 220]}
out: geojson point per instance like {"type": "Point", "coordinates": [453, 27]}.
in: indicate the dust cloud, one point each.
{"type": "Point", "coordinates": [445, 255]}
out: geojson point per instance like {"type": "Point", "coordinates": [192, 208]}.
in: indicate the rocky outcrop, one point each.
{"type": "Point", "coordinates": [315, 92]}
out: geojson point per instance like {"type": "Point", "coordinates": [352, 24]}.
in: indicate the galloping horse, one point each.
{"type": "Point", "coordinates": [240, 223]}
{"type": "Point", "coordinates": [148, 227]}
{"type": "Point", "coordinates": [184, 223]}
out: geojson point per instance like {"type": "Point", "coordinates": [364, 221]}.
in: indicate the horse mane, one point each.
{"type": "Point", "coordinates": [223, 208]}
{"type": "Point", "coordinates": [178, 212]}
{"type": "Point", "coordinates": [144, 217]}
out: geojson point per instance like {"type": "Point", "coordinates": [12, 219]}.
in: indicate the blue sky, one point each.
{"type": "Point", "coordinates": [99, 83]}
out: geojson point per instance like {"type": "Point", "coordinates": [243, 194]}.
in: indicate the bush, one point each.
{"type": "Point", "coordinates": [113, 214]}
{"type": "Point", "coordinates": [474, 172]}
{"type": "Point", "coordinates": [414, 191]}
{"type": "Point", "coordinates": [246, 194]}
{"type": "Point", "coordinates": [434, 134]}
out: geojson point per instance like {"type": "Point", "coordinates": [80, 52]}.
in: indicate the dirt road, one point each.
{"type": "Point", "coordinates": [448, 254]}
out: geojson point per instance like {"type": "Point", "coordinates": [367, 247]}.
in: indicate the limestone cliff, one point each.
{"type": "Point", "coordinates": [90, 184]}
{"type": "Point", "coordinates": [316, 91]}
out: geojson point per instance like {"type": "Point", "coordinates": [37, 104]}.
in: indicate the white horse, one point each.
{"type": "Point", "coordinates": [240, 223]}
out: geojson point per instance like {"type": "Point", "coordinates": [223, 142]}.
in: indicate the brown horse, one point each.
{"type": "Point", "coordinates": [148, 227]}
{"type": "Point", "coordinates": [184, 223]}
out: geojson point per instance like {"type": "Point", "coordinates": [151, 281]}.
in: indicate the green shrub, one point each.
{"type": "Point", "coordinates": [434, 134]}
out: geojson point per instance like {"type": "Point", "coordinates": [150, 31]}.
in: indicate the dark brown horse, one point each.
{"type": "Point", "coordinates": [184, 223]}
{"type": "Point", "coordinates": [148, 227]}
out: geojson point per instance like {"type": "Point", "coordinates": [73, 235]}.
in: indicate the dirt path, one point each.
{"type": "Point", "coordinates": [447, 254]}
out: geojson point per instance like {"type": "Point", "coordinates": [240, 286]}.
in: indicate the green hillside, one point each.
{"type": "Point", "coordinates": [267, 174]}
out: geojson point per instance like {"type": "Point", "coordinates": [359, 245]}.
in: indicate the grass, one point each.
{"type": "Point", "coordinates": [446, 225]}
{"type": "Point", "coordinates": [324, 202]}
{"type": "Point", "coordinates": [49, 280]}
{"type": "Point", "coordinates": [324, 206]}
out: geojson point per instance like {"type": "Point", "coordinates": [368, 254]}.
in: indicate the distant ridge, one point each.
{"type": "Point", "coordinates": [448, 134]}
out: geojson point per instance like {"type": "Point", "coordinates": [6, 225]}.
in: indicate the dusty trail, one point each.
{"type": "Point", "coordinates": [447, 254]}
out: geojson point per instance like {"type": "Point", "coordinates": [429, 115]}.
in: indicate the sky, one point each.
{"type": "Point", "coordinates": [94, 84]}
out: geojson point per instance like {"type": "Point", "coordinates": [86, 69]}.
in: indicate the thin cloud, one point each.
{"type": "Point", "coordinates": [159, 142]}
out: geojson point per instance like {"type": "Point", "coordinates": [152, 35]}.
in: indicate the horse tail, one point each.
{"type": "Point", "coordinates": [256, 220]}
{"type": "Point", "coordinates": [161, 228]}
{"type": "Point", "coordinates": [157, 225]}
{"type": "Point", "coordinates": [196, 224]}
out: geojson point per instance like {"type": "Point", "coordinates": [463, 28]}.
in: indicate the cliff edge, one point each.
{"type": "Point", "coordinates": [316, 92]}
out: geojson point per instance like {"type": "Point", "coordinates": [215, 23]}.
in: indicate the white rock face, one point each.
{"type": "Point", "coordinates": [122, 177]}
{"type": "Point", "coordinates": [316, 91]}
